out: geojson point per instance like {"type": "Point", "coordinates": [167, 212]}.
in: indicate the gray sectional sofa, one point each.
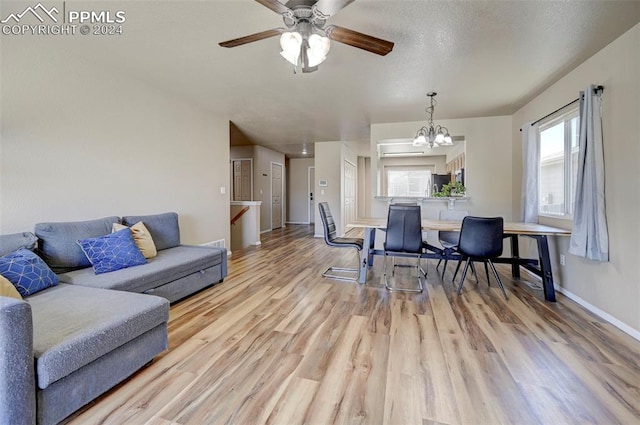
{"type": "Point", "coordinates": [62, 347]}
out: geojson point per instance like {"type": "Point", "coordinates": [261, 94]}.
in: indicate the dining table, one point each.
{"type": "Point", "coordinates": [540, 266]}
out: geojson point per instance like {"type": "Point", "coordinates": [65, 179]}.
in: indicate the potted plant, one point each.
{"type": "Point", "coordinates": [450, 190]}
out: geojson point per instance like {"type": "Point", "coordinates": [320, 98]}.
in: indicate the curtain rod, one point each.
{"type": "Point", "coordinates": [596, 89]}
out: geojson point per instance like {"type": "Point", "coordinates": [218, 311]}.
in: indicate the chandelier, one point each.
{"type": "Point", "coordinates": [432, 136]}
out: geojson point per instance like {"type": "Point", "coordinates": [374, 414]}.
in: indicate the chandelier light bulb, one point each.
{"type": "Point", "coordinates": [420, 140]}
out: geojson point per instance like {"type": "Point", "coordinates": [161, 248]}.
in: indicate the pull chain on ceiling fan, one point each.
{"type": "Point", "coordinates": [305, 40]}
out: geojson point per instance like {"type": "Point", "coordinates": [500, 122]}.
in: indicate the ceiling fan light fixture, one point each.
{"type": "Point", "coordinates": [319, 45]}
{"type": "Point", "coordinates": [291, 43]}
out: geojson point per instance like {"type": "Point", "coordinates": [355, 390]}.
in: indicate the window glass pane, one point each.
{"type": "Point", "coordinates": [573, 163]}
{"type": "Point", "coordinates": [552, 170]}
{"type": "Point", "coordinates": [408, 182]}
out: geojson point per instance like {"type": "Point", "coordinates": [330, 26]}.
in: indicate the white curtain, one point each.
{"type": "Point", "coordinates": [589, 237]}
{"type": "Point", "coordinates": [530, 171]}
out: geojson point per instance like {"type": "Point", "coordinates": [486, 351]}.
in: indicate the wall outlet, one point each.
{"type": "Point", "coordinates": [562, 260]}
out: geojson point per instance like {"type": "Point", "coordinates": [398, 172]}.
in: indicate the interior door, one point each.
{"type": "Point", "coordinates": [237, 180]}
{"type": "Point", "coordinates": [242, 180]}
{"type": "Point", "coordinates": [246, 180]}
{"type": "Point", "coordinates": [276, 196]}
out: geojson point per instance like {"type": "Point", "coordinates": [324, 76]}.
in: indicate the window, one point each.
{"type": "Point", "coordinates": [408, 181]}
{"type": "Point", "coordinates": [558, 164]}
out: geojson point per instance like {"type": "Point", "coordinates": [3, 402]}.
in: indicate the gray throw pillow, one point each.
{"type": "Point", "coordinates": [57, 242]}
{"type": "Point", "coordinates": [164, 228]}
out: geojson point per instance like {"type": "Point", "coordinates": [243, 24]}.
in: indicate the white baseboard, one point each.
{"type": "Point", "coordinates": [265, 231]}
{"type": "Point", "coordinates": [298, 222]}
{"type": "Point", "coordinates": [318, 236]}
{"type": "Point", "coordinates": [604, 315]}
{"type": "Point", "coordinates": [257, 243]}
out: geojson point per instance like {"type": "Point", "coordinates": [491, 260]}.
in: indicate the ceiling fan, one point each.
{"type": "Point", "coordinates": [305, 40]}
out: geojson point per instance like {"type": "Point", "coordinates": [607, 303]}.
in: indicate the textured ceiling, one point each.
{"type": "Point", "coordinates": [484, 58]}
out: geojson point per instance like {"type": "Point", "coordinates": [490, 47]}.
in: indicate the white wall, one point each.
{"type": "Point", "coordinates": [328, 167]}
{"type": "Point", "coordinates": [614, 287]}
{"type": "Point", "coordinates": [487, 170]}
{"type": "Point", "coordinates": [298, 190]}
{"type": "Point", "coordinates": [81, 142]}
{"type": "Point", "coordinates": [329, 162]}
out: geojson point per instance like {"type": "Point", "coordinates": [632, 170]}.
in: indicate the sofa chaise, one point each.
{"type": "Point", "coordinates": [65, 345]}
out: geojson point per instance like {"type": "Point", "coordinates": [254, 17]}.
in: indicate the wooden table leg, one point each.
{"type": "Point", "coordinates": [515, 254]}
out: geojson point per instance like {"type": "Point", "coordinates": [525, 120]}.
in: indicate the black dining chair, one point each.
{"type": "Point", "coordinates": [403, 239]}
{"type": "Point", "coordinates": [330, 237]}
{"type": "Point", "coordinates": [449, 239]}
{"type": "Point", "coordinates": [481, 240]}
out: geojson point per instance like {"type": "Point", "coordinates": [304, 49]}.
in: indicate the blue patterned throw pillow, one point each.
{"type": "Point", "coordinates": [112, 252]}
{"type": "Point", "coordinates": [27, 272]}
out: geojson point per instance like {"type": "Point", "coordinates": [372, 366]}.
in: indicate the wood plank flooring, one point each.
{"type": "Point", "coordinates": [275, 343]}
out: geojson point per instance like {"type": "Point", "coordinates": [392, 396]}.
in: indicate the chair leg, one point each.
{"type": "Point", "coordinates": [438, 265]}
{"type": "Point", "coordinates": [329, 273]}
{"type": "Point", "coordinates": [486, 270]}
{"type": "Point", "coordinates": [444, 269]}
{"type": "Point", "coordinates": [495, 273]}
{"type": "Point", "coordinates": [418, 272]}
{"type": "Point", "coordinates": [464, 274]}
{"type": "Point", "coordinates": [457, 269]}
{"type": "Point", "coordinates": [473, 269]}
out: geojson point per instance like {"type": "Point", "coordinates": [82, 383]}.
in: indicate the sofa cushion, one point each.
{"type": "Point", "coordinates": [142, 237]}
{"type": "Point", "coordinates": [57, 241]}
{"type": "Point", "coordinates": [75, 325]}
{"type": "Point", "coordinates": [27, 272]}
{"type": "Point", "coordinates": [112, 252]}
{"type": "Point", "coordinates": [7, 289]}
{"type": "Point", "coordinates": [15, 241]}
{"type": "Point", "coordinates": [169, 265]}
{"type": "Point", "coordinates": [164, 228]}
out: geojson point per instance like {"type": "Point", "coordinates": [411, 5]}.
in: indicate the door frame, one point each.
{"type": "Point", "coordinates": [355, 182]}
{"type": "Point", "coordinates": [311, 189]}
{"type": "Point", "coordinates": [282, 201]}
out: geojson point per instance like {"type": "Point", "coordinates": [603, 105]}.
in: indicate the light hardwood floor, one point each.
{"type": "Point", "coordinates": [275, 343]}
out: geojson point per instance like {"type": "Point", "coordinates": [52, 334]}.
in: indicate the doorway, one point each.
{"type": "Point", "coordinates": [276, 195]}
{"type": "Point", "coordinates": [350, 181]}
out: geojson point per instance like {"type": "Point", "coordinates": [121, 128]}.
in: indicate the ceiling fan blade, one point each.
{"type": "Point", "coordinates": [250, 38]}
{"type": "Point", "coordinates": [359, 40]}
{"type": "Point", "coordinates": [331, 7]}
{"type": "Point", "coordinates": [275, 5]}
